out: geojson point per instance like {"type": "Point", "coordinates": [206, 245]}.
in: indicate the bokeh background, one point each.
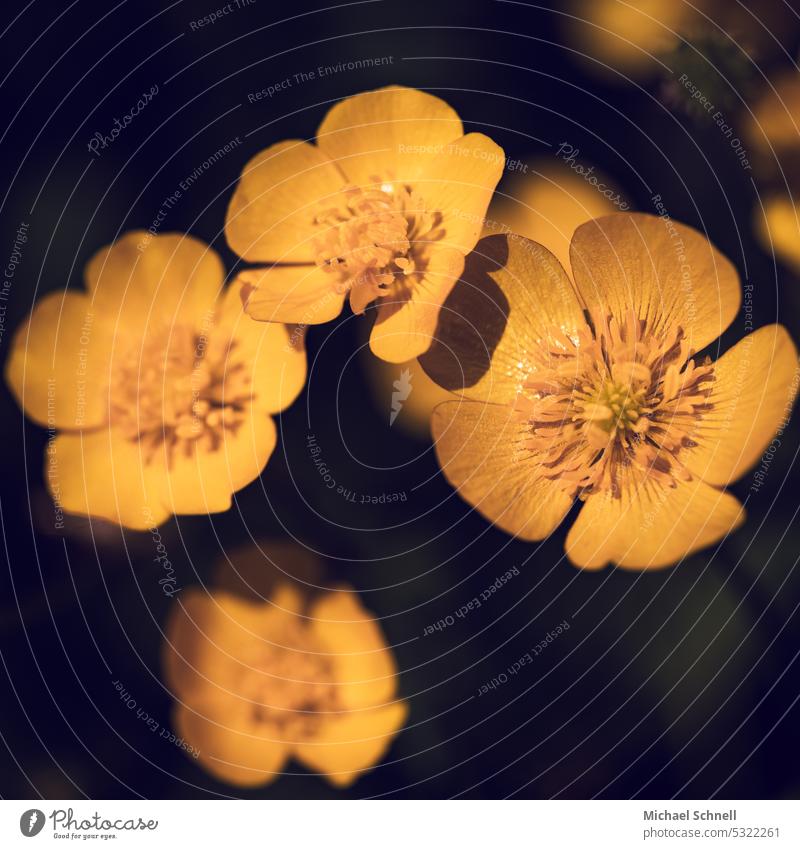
{"type": "Point", "coordinates": [682, 682]}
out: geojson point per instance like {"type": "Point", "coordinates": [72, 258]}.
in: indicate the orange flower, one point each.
{"type": "Point", "coordinates": [258, 683]}
{"type": "Point", "coordinates": [615, 411]}
{"type": "Point", "coordinates": [384, 207]}
{"type": "Point", "coordinates": [155, 387]}
{"type": "Point", "coordinates": [777, 225]}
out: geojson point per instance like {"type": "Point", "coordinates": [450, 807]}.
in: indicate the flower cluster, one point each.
{"type": "Point", "coordinates": [574, 377]}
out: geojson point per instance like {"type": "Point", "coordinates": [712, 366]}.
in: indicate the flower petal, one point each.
{"type": "Point", "coordinates": [511, 296]}
{"type": "Point", "coordinates": [406, 324]}
{"type": "Point", "coordinates": [272, 354]}
{"type": "Point", "coordinates": [271, 214]}
{"type": "Point", "coordinates": [205, 636]}
{"type": "Point", "coordinates": [480, 451]}
{"type": "Point", "coordinates": [668, 272]}
{"type": "Point", "coordinates": [350, 744]}
{"type": "Point", "coordinates": [103, 474]}
{"type": "Point", "coordinates": [550, 203]}
{"type": "Point", "coordinates": [755, 384]}
{"type": "Point", "coordinates": [364, 667]}
{"type": "Point", "coordinates": [202, 480]}
{"type": "Point", "coordinates": [778, 228]}
{"type": "Point", "coordinates": [650, 526]}
{"type": "Point", "coordinates": [458, 182]}
{"type": "Point", "coordinates": [155, 282]}
{"type": "Point", "coordinates": [293, 294]}
{"type": "Point", "coordinates": [382, 133]}
{"type": "Point", "coordinates": [58, 365]}
{"type": "Point", "coordinates": [231, 750]}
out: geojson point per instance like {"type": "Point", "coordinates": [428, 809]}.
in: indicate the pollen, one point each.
{"type": "Point", "coordinates": [610, 397]}
{"type": "Point", "coordinates": [373, 240]}
{"type": "Point", "coordinates": [174, 395]}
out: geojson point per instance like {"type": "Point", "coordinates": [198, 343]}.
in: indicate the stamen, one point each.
{"type": "Point", "coordinates": [614, 396]}
{"type": "Point", "coordinates": [374, 239]}
{"type": "Point", "coordinates": [175, 397]}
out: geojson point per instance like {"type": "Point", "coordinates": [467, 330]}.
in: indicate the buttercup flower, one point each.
{"type": "Point", "coordinates": [156, 388]}
{"type": "Point", "coordinates": [383, 207]}
{"type": "Point", "coordinates": [778, 228]}
{"type": "Point", "coordinates": [591, 389]}
{"type": "Point", "coordinates": [258, 683]}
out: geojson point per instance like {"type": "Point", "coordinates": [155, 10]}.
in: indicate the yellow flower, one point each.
{"type": "Point", "coordinates": [615, 411]}
{"type": "Point", "coordinates": [778, 228]}
{"type": "Point", "coordinates": [258, 683]}
{"type": "Point", "coordinates": [155, 387]}
{"type": "Point", "coordinates": [774, 128]}
{"type": "Point", "coordinates": [549, 203]}
{"type": "Point", "coordinates": [384, 207]}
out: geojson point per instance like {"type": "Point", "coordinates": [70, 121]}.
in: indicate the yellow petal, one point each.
{"type": "Point", "coordinates": [230, 749]}
{"type": "Point", "coordinates": [206, 634]}
{"type": "Point", "coordinates": [613, 34]}
{"type": "Point", "coordinates": [271, 214]}
{"type": "Point", "coordinates": [155, 282]}
{"type": "Point", "coordinates": [458, 182]}
{"type": "Point", "coordinates": [103, 474]}
{"type": "Point", "coordinates": [774, 127]}
{"type": "Point", "coordinates": [293, 294]}
{"type": "Point", "coordinates": [201, 480]}
{"type": "Point", "coordinates": [511, 295]}
{"type": "Point", "coordinates": [406, 324]}
{"type": "Point", "coordinates": [480, 451]}
{"type": "Point", "coordinates": [58, 365]}
{"type": "Point", "coordinates": [669, 273]}
{"type": "Point", "coordinates": [778, 229]}
{"type": "Point", "coordinates": [364, 667]}
{"type": "Point", "coordinates": [548, 203]}
{"type": "Point", "coordinates": [350, 744]}
{"type": "Point", "coordinates": [272, 354]}
{"type": "Point", "coordinates": [650, 526]}
{"type": "Point", "coordinates": [755, 384]}
{"type": "Point", "coordinates": [384, 133]}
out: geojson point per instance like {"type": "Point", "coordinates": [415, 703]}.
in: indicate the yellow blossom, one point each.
{"type": "Point", "coordinates": [258, 683]}
{"type": "Point", "coordinates": [590, 388]}
{"type": "Point", "coordinates": [777, 226]}
{"type": "Point", "coordinates": [383, 207]}
{"type": "Point", "coordinates": [156, 389]}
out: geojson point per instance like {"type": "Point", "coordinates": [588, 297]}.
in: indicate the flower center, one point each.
{"type": "Point", "coordinates": [373, 239]}
{"type": "Point", "coordinates": [165, 390]}
{"type": "Point", "coordinates": [289, 684]}
{"type": "Point", "coordinates": [612, 397]}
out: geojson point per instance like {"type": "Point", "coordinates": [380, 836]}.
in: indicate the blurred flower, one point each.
{"type": "Point", "coordinates": [155, 388]}
{"type": "Point", "coordinates": [411, 413]}
{"type": "Point", "coordinates": [384, 207]}
{"type": "Point", "coordinates": [549, 203]}
{"type": "Point", "coordinates": [614, 411]}
{"type": "Point", "coordinates": [778, 229]}
{"type": "Point", "coordinates": [258, 683]}
{"type": "Point", "coordinates": [773, 128]}
{"type": "Point", "coordinates": [627, 37]}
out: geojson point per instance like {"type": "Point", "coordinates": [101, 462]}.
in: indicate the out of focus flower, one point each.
{"type": "Point", "coordinates": [155, 388]}
{"type": "Point", "coordinates": [382, 208]}
{"type": "Point", "coordinates": [773, 127]}
{"type": "Point", "coordinates": [258, 683]}
{"type": "Point", "coordinates": [405, 395]}
{"type": "Point", "coordinates": [593, 392]}
{"type": "Point", "coordinates": [778, 229]}
{"type": "Point", "coordinates": [548, 203]}
{"type": "Point", "coordinates": [627, 37]}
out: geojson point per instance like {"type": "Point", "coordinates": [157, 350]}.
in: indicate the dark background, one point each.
{"type": "Point", "coordinates": [682, 682]}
